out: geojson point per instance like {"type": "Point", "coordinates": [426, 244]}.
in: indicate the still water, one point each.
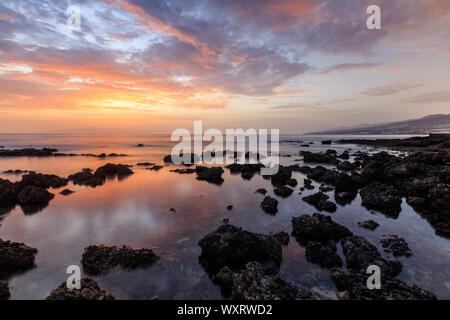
{"type": "Point", "coordinates": [135, 211]}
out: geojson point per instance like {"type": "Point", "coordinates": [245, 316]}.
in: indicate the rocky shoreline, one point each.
{"type": "Point", "coordinates": [246, 265]}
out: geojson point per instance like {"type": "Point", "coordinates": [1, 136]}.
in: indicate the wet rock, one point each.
{"type": "Point", "coordinates": [89, 291]}
{"type": "Point", "coordinates": [354, 284]}
{"type": "Point", "coordinates": [310, 157]}
{"type": "Point", "coordinates": [416, 202]}
{"type": "Point", "coordinates": [229, 207]}
{"type": "Point", "coordinates": [282, 237]}
{"type": "Point", "coordinates": [111, 169]}
{"type": "Point", "coordinates": [346, 166]}
{"type": "Point", "coordinates": [304, 145]}
{"type": "Point", "coordinates": [44, 181]}
{"type": "Point", "coordinates": [318, 227]}
{"type": "Point", "coordinates": [398, 246]}
{"type": "Point", "coordinates": [18, 171]}
{"type": "Point", "coordinates": [319, 201]}
{"type": "Point", "coordinates": [66, 192]}
{"type": "Point", "coordinates": [86, 178]}
{"type": "Point", "coordinates": [368, 224]}
{"type": "Point", "coordinates": [342, 181]}
{"type": "Point", "coordinates": [283, 191]}
{"type": "Point", "coordinates": [186, 159]}
{"type": "Point", "coordinates": [323, 253]}
{"type": "Point", "coordinates": [233, 247]}
{"type": "Point", "coordinates": [155, 168]}
{"type": "Point", "coordinates": [15, 257]}
{"type": "Point", "coordinates": [32, 195]}
{"type": "Point", "coordinates": [139, 145]}
{"type": "Point", "coordinates": [99, 258]}
{"type": "Point", "coordinates": [381, 197]}
{"type": "Point", "coordinates": [325, 188]}
{"type": "Point", "coordinates": [254, 283]}
{"type": "Point", "coordinates": [283, 175]}
{"type": "Point", "coordinates": [308, 184]}
{"type": "Point", "coordinates": [291, 182]}
{"type": "Point", "coordinates": [172, 210]}
{"type": "Point", "coordinates": [326, 141]}
{"type": "Point", "coordinates": [269, 205]}
{"type": "Point", "coordinates": [345, 197]}
{"type": "Point", "coordinates": [4, 290]}
{"type": "Point", "coordinates": [28, 152]}
{"type": "Point", "coordinates": [360, 254]}
{"type": "Point", "coordinates": [344, 156]}
{"type": "Point", "coordinates": [212, 175]}
{"type": "Point", "coordinates": [145, 164]}
{"type": "Point", "coordinates": [8, 193]}
{"type": "Point", "coordinates": [183, 171]}
{"type": "Point", "coordinates": [261, 190]}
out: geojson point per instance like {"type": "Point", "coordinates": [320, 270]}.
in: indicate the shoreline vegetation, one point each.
{"type": "Point", "coordinates": [244, 264]}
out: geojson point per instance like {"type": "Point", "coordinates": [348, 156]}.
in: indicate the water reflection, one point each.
{"type": "Point", "coordinates": [135, 211]}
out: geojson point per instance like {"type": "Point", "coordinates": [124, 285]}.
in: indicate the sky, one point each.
{"type": "Point", "coordinates": [154, 66]}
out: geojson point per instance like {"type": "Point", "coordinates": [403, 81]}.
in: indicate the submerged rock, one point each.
{"type": "Point", "coordinates": [368, 224]}
{"type": "Point", "coordinates": [360, 253]}
{"type": "Point", "coordinates": [398, 246]}
{"type": "Point", "coordinates": [183, 171]}
{"type": "Point", "coordinates": [233, 247]}
{"type": "Point", "coordinates": [323, 253]}
{"type": "Point", "coordinates": [4, 290]}
{"type": "Point", "coordinates": [99, 258]}
{"type": "Point", "coordinates": [353, 283]}
{"type": "Point", "coordinates": [28, 152]}
{"type": "Point", "coordinates": [318, 227]}
{"type": "Point", "coordinates": [89, 291]}
{"type": "Point", "coordinates": [15, 257]}
{"type": "Point", "coordinates": [269, 205]}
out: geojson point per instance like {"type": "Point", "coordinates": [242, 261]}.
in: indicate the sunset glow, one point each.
{"type": "Point", "coordinates": [150, 66]}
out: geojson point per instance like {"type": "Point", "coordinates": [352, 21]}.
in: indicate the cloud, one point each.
{"type": "Point", "coordinates": [391, 89]}
{"type": "Point", "coordinates": [432, 97]}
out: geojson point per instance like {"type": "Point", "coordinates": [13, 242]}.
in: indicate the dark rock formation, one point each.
{"type": "Point", "coordinates": [360, 254]}
{"type": "Point", "coordinates": [319, 201]}
{"type": "Point", "coordinates": [28, 152]}
{"type": "Point", "coordinates": [261, 190]}
{"type": "Point", "coordinates": [282, 237]}
{"type": "Point", "coordinates": [310, 157]}
{"type": "Point", "coordinates": [98, 259]}
{"type": "Point", "coordinates": [15, 257]}
{"type": "Point", "coordinates": [4, 290]}
{"type": "Point", "coordinates": [283, 191]}
{"type": "Point", "coordinates": [381, 197]}
{"type": "Point", "coordinates": [353, 285]}
{"type": "Point", "coordinates": [368, 224]}
{"type": "Point", "coordinates": [87, 178]}
{"type": "Point", "coordinates": [318, 227]}
{"type": "Point", "coordinates": [212, 175]}
{"type": "Point", "coordinates": [247, 170]}
{"type": "Point", "coordinates": [398, 246]}
{"type": "Point", "coordinates": [89, 291]}
{"type": "Point", "coordinates": [111, 169]}
{"type": "Point", "coordinates": [66, 192]}
{"type": "Point", "coordinates": [323, 253]}
{"type": "Point", "coordinates": [254, 283]}
{"type": "Point", "coordinates": [155, 168]}
{"type": "Point", "coordinates": [269, 205]}
{"type": "Point", "coordinates": [44, 181]}
{"type": "Point", "coordinates": [183, 171]}
{"type": "Point", "coordinates": [31, 195]}
{"type": "Point", "coordinates": [18, 171]}
{"type": "Point", "coordinates": [145, 164]}
{"type": "Point", "coordinates": [233, 247]}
